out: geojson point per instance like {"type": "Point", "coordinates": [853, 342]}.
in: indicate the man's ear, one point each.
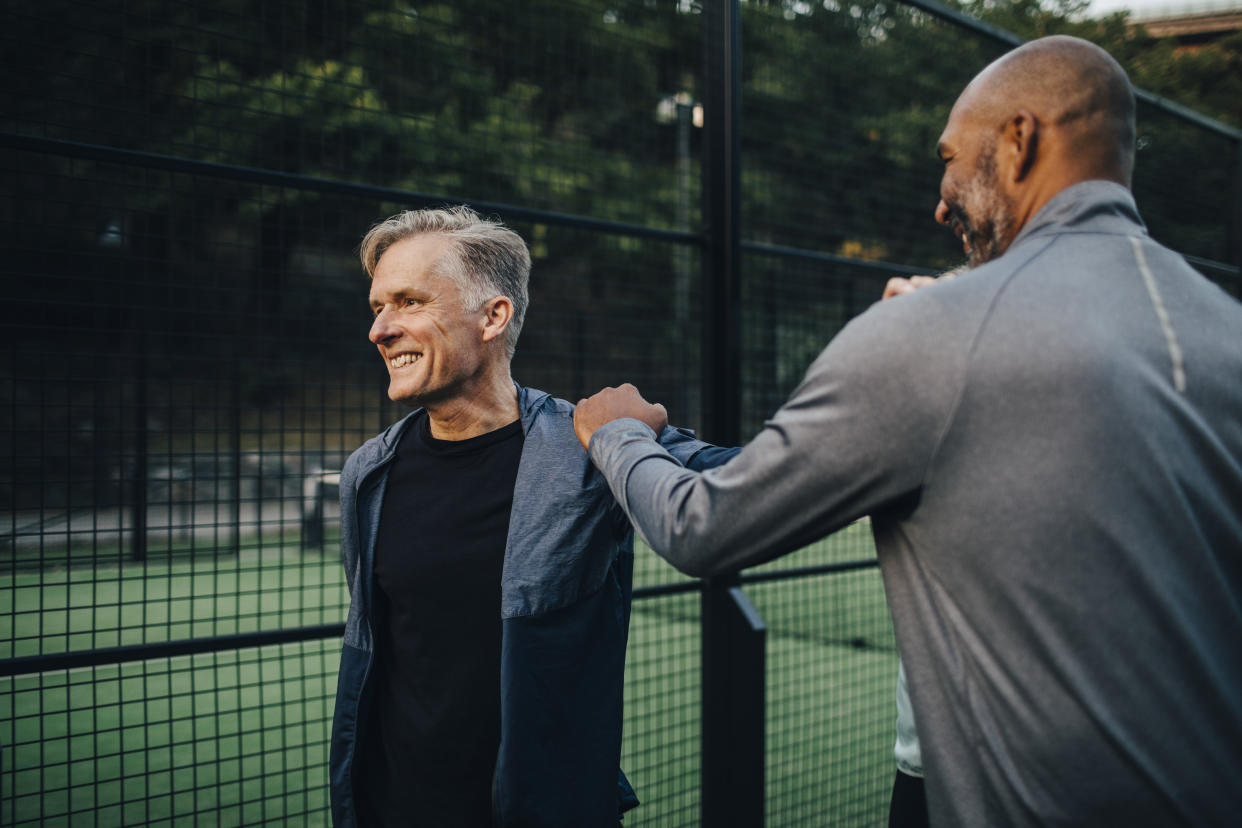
{"type": "Point", "coordinates": [497, 314]}
{"type": "Point", "coordinates": [1020, 142]}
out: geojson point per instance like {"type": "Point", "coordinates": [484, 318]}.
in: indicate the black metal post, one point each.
{"type": "Point", "coordinates": [733, 738]}
{"type": "Point", "coordinates": [235, 427]}
{"type": "Point", "coordinates": [578, 378]}
{"type": "Point", "coordinates": [732, 757]}
{"type": "Point", "coordinates": [1237, 221]}
{"type": "Point", "coordinates": [138, 519]}
{"type": "Point", "coordinates": [313, 517]}
{"type": "Point", "coordinates": [682, 254]}
{"type": "Point", "coordinates": [722, 326]}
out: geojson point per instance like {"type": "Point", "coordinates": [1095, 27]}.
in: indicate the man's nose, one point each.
{"type": "Point", "coordinates": [381, 329]}
{"type": "Point", "coordinates": [942, 212]}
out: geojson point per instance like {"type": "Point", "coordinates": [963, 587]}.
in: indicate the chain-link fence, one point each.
{"type": "Point", "coordinates": [185, 362]}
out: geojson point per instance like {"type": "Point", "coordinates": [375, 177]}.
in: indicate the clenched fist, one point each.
{"type": "Point", "coordinates": [614, 404]}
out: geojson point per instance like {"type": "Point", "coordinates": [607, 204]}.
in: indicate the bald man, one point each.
{"type": "Point", "coordinates": [1050, 449]}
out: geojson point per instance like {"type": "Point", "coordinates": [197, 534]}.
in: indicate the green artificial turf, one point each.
{"type": "Point", "coordinates": [241, 737]}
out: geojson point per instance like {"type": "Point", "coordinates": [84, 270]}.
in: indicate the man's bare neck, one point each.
{"type": "Point", "coordinates": [485, 409]}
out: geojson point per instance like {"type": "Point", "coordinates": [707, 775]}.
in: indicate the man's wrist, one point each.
{"type": "Point", "coordinates": [623, 424]}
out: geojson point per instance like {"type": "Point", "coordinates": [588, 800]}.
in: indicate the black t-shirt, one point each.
{"type": "Point", "coordinates": [434, 723]}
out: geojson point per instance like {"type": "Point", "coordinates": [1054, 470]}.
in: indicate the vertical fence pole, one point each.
{"type": "Point", "coordinates": [235, 429]}
{"type": "Point", "coordinates": [1237, 219]}
{"type": "Point", "coordinates": [734, 638]}
{"type": "Point", "coordinates": [682, 254]}
{"type": "Point", "coordinates": [732, 704]}
{"type": "Point", "coordinates": [722, 327]}
{"type": "Point", "coordinates": [138, 519]}
{"type": "Point", "coordinates": [578, 380]}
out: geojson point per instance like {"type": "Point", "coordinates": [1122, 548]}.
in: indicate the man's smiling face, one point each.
{"type": "Point", "coordinates": [971, 201]}
{"type": "Point", "coordinates": [433, 346]}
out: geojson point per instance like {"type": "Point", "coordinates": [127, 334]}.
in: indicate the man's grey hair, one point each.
{"type": "Point", "coordinates": [487, 259]}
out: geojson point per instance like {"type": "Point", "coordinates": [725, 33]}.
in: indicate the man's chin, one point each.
{"type": "Point", "coordinates": [990, 241]}
{"type": "Point", "coordinates": [981, 254]}
{"type": "Point", "coordinates": [419, 397]}
{"type": "Point", "coordinates": [404, 396]}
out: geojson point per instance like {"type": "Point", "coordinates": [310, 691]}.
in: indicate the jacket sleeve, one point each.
{"type": "Point", "coordinates": [349, 526]}
{"type": "Point", "coordinates": [858, 433]}
{"type": "Point", "coordinates": [692, 452]}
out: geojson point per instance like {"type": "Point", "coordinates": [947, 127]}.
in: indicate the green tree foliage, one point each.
{"type": "Point", "coordinates": [1185, 176]}
{"type": "Point", "coordinates": [546, 104]}
{"type": "Point", "coordinates": [1206, 77]}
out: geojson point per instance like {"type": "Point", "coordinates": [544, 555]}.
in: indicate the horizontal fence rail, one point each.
{"type": "Point", "coordinates": [28, 665]}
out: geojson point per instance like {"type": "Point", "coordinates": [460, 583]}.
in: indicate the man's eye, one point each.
{"type": "Point", "coordinates": [410, 302]}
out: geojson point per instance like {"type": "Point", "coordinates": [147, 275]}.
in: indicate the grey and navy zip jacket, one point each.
{"type": "Point", "coordinates": [565, 611]}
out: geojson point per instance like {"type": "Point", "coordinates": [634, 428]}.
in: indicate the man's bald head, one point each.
{"type": "Point", "coordinates": [1050, 114]}
{"type": "Point", "coordinates": [1075, 89]}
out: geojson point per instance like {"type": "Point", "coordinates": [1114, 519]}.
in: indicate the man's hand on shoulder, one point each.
{"type": "Point", "coordinates": [614, 404]}
{"type": "Point", "coordinates": [899, 286]}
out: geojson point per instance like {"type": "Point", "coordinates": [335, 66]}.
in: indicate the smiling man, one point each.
{"type": "Point", "coordinates": [1050, 449]}
{"type": "Point", "coordinates": [488, 565]}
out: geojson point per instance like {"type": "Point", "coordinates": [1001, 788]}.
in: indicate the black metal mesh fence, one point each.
{"type": "Point", "coordinates": [1186, 184]}
{"type": "Point", "coordinates": [185, 362]}
{"type": "Point", "coordinates": [842, 113]}
{"type": "Point", "coordinates": [230, 737]}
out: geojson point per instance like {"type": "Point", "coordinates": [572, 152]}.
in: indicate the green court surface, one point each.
{"type": "Point", "coordinates": [241, 737]}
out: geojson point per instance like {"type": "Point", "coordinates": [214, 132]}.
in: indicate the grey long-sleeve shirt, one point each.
{"type": "Point", "coordinates": [1050, 447]}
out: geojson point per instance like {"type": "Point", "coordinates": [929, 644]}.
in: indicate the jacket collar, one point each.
{"type": "Point", "coordinates": [1086, 207]}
